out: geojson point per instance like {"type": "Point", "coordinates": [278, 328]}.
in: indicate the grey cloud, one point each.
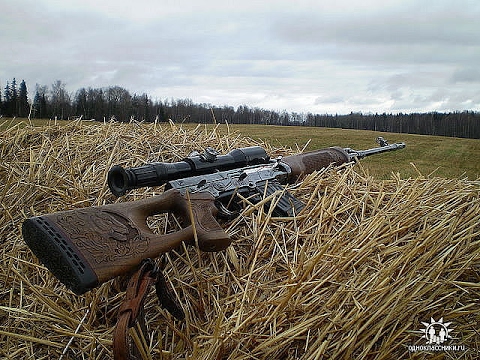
{"type": "Point", "coordinates": [329, 100]}
{"type": "Point", "coordinates": [301, 56]}
{"type": "Point", "coordinates": [422, 32]}
{"type": "Point", "coordinates": [412, 23]}
{"type": "Point", "coordinates": [467, 75]}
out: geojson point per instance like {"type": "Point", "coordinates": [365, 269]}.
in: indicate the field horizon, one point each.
{"type": "Point", "coordinates": [427, 155]}
{"type": "Point", "coordinates": [424, 155]}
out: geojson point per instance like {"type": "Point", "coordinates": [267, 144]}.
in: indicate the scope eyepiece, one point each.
{"type": "Point", "coordinates": [118, 180]}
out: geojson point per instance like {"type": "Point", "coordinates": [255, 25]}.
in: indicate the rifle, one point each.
{"type": "Point", "coordinates": [85, 247]}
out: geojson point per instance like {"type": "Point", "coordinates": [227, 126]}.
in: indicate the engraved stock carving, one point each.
{"type": "Point", "coordinates": [107, 236]}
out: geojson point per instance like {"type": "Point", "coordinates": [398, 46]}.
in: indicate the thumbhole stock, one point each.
{"type": "Point", "coordinates": [161, 224]}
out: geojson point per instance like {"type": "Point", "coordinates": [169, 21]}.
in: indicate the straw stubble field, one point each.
{"type": "Point", "coordinates": [358, 274]}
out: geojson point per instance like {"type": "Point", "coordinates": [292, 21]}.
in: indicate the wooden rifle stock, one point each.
{"type": "Point", "coordinates": [86, 247]}
{"type": "Point", "coordinates": [309, 162]}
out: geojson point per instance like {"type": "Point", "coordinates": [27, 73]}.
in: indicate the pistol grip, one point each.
{"type": "Point", "coordinates": [210, 235]}
{"type": "Point", "coordinates": [199, 208]}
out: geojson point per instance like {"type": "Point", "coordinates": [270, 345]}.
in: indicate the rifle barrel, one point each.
{"type": "Point", "coordinates": [360, 154]}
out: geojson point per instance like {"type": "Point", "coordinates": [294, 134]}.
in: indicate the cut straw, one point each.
{"type": "Point", "coordinates": [354, 275]}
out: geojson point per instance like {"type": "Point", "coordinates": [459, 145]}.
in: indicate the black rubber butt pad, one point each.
{"type": "Point", "coordinates": [58, 254]}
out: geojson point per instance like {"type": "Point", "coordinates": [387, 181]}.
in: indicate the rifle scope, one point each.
{"type": "Point", "coordinates": [121, 180]}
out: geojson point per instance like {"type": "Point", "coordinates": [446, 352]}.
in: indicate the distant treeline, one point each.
{"type": "Point", "coordinates": [117, 103]}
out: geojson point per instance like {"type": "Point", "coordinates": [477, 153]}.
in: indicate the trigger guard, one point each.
{"type": "Point", "coordinates": [224, 213]}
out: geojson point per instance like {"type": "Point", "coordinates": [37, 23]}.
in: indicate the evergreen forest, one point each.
{"type": "Point", "coordinates": [117, 103]}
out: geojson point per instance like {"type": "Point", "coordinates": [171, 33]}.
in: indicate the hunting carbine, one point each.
{"type": "Point", "coordinates": [86, 247]}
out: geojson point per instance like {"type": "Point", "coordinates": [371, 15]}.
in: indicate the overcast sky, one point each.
{"type": "Point", "coordinates": [317, 56]}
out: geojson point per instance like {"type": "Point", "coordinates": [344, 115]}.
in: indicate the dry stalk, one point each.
{"type": "Point", "coordinates": [352, 276]}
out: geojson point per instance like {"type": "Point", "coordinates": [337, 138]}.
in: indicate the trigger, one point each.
{"type": "Point", "coordinates": [224, 213]}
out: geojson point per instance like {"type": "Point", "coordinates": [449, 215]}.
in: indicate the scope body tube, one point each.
{"type": "Point", "coordinates": [121, 180]}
